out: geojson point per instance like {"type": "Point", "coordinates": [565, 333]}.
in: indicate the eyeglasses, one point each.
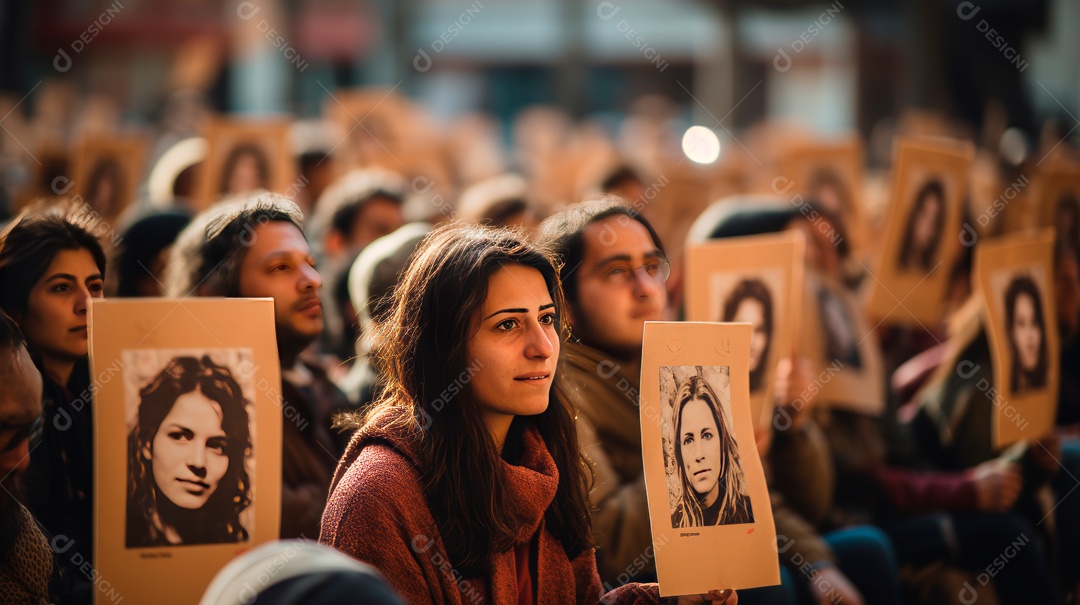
{"type": "Point", "coordinates": [656, 270]}
{"type": "Point", "coordinates": [17, 433]}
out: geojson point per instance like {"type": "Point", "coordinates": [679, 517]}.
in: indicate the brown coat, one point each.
{"type": "Point", "coordinates": [377, 513]}
{"type": "Point", "coordinates": [606, 398]}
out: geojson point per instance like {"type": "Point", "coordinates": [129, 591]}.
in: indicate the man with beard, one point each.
{"type": "Point", "coordinates": [25, 558]}
{"type": "Point", "coordinates": [254, 246]}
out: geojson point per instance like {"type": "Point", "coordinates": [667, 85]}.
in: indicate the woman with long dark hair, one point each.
{"type": "Point", "coordinates": [465, 481]}
{"type": "Point", "coordinates": [51, 265]}
{"type": "Point", "coordinates": [714, 489]}
{"type": "Point", "coordinates": [751, 301]}
{"type": "Point", "coordinates": [922, 233]}
{"type": "Point", "coordinates": [187, 483]}
{"type": "Point", "coordinates": [1026, 330]}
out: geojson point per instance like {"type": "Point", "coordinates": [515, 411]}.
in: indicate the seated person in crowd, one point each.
{"type": "Point", "coordinates": [254, 246]}
{"type": "Point", "coordinates": [50, 268]}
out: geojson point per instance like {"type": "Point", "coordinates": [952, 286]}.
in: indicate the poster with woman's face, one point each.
{"type": "Point", "coordinates": [829, 173]}
{"type": "Point", "coordinates": [1058, 190]}
{"type": "Point", "coordinates": [749, 279]}
{"type": "Point", "coordinates": [107, 173]}
{"type": "Point", "coordinates": [706, 484]}
{"type": "Point", "coordinates": [921, 243]}
{"type": "Point", "coordinates": [187, 440]}
{"type": "Point", "coordinates": [709, 506]}
{"type": "Point", "coordinates": [191, 446]}
{"type": "Point", "coordinates": [244, 156]}
{"type": "Point", "coordinates": [1014, 276]}
{"type": "Point", "coordinates": [843, 347]}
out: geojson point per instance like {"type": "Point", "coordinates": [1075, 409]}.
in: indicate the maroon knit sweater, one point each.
{"type": "Point", "coordinates": [377, 513]}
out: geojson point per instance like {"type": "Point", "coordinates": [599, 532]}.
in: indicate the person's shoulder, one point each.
{"type": "Point", "coordinates": [382, 468]}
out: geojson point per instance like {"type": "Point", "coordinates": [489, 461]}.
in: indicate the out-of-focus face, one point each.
{"type": "Point", "coordinates": [752, 311]}
{"type": "Point", "coordinates": [614, 296]}
{"type": "Point", "coordinates": [699, 443]}
{"type": "Point", "coordinates": [514, 346]}
{"type": "Point", "coordinates": [1067, 293]}
{"type": "Point", "coordinates": [279, 264]}
{"type": "Point", "coordinates": [926, 222]}
{"type": "Point", "coordinates": [245, 174]}
{"type": "Point", "coordinates": [378, 217]}
{"type": "Point", "coordinates": [188, 454]}
{"type": "Point", "coordinates": [1026, 332]}
{"type": "Point", "coordinates": [55, 321]}
{"type": "Point", "coordinates": [20, 406]}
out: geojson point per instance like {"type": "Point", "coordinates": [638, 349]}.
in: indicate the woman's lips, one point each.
{"type": "Point", "coordinates": [194, 486]}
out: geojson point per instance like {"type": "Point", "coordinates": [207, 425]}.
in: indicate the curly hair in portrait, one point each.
{"type": "Point", "coordinates": [419, 349]}
{"type": "Point", "coordinates": [724, 481]}
{"type": "Point", "coordinates": [1026, 331]}
{"type": "Point", "coordinates": [153, 519]}
{"type": "Point", "coordinates": [922, 233]}
{"type": "Point", "coordinates": [756, 291]}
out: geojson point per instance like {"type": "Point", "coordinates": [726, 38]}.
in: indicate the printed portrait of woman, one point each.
{"type": "Point", "coordinates": [713, 487]}
{"type": "Point", "coordinates": [1025, 327]}
{"type": "Point", "coordinates": [106, 190]}
{"type": "Point", "coordinates": [1067, 219]}
{"type": "Point", "coordinates": [828, 189]}
{"type": "Point", "coordinates": [187, 480]}
{"type": "Point", "coordinates": [923, 229]}
{"type": "Point", "coordinates": [751, 302]}
{"type": "Point", "coordinates": [841, 339]}
{"type": "Point", "coordinates": [246, 168]}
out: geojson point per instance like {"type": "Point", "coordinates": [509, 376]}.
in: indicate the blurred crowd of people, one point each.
{"type": "Point", "coordinates": [384, 239]}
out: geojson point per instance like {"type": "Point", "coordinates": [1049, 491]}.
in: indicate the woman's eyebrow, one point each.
{"type": "Point", "coordinates": [521, 310]}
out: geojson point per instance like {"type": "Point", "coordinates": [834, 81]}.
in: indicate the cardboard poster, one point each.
{"type": "Point", "coordinates": [841, 343]}
{"type": "Point", "coordinates": [108, 170]}
{"type": "Point", "coordinates": [1014, 275]}
{"type": "Point", "coordinates": [751, 279]}
{"type": "Point", "coordinates": [929, 188]}
{"type": "Point", "coordinates": [243, 156]}
{"type": "Point", "coordinates": [1059, 193]}
{"type": "Point", "coordinates": [831, 174]}
{"type": "Point", "coordinates": [187, 421]}
{"type": "Point", "coordinates": [709, 508]}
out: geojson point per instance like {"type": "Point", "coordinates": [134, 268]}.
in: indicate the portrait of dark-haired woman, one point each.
{"type": "Point", "coordinates": [246, 168]}
{"type": "Point", "coordinates": [751, 302]}
{"type": "Point", "coordinates": [1026, 332]}
{"type": "Point", "coordinates": [922, 233]}
{"type": "Point", "coordinates": [187, 483]}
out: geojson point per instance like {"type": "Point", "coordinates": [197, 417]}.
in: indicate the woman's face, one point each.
{"type": "Point", "coordinates": [751, 310]}
{"type": "Point", "coordinates": [55, 320]}
{"type": "Point", "coordinates": [188, 453]}
{"type": "Point", "coordinates": [926, 222]}
{"type": "Point", "coordinates": [699, 445]}
{"type": "Point", "coordinates": [245, 174]}
{"type": "Point", "coordinates": [1026, 332]}
{"type": "Point", "coordinates": [514, 346]}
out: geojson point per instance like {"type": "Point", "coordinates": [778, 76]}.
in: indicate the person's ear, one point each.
{"type": "Point", "coordinates": [146, 454]}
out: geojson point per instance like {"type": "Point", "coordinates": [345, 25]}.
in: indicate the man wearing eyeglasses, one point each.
{"type": "Point", "coordinates": [25, 557]}
{"type": "Point", "coordinates": [614, 275]}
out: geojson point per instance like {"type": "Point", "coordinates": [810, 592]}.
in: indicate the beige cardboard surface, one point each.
{"type": "Point", "coordinates": [1025, 355]}
{"type": "Point", "coordinates": [920, 243]}
{"type": "Point", "coordinates": [722, 272]}
{"type": "Point", "coordinates": [693, 362]}
{"type": "Point", "coordinates": [132, 342]}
